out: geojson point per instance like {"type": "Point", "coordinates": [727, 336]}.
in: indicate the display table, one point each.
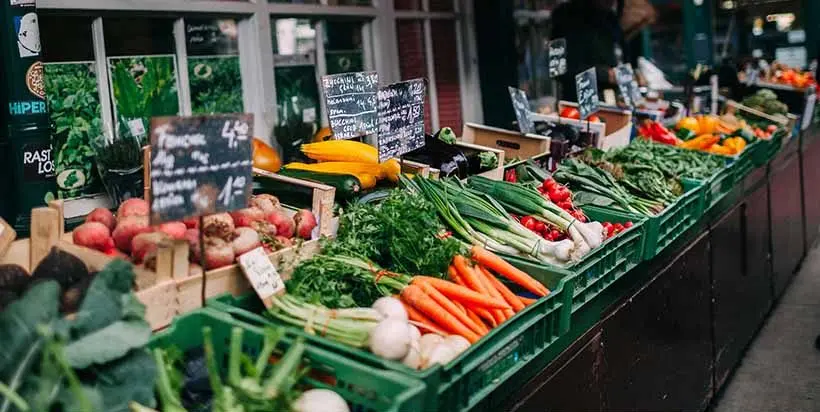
{"type": "Point", "coordinates": [670, 334]}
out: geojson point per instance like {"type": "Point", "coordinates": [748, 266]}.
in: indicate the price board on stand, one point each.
{"type": "Point", "coordinates": [557, 57]}
{"type": "Point", "coordinates": [200, 165]}
{"type": "Point", "coordinates": [401, 118]}
{"type": "Point", "coordinates": [586, 87]}
{"type": "Point", "coordinates": [351, 103]}
{"type": "Point", "coordinates": [522, 109]}
{"type": "Point", "coordinates": [624, 78]}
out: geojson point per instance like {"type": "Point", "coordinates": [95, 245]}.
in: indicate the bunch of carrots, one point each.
{"type": "Point", "coordinates": [474, 300]}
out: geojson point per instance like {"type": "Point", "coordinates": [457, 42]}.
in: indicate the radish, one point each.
{"type": "Point", "coordinates": [390, 308]}
{"type": "Point", "coordinates": [268, 203]}
{"type": "Point", "coordinates": [413, 358]}
{"type": "Point", "coordinates": [415, 334]}
{"type": "Point", "coordinates": [305, 222]}
{"type": "Point", "coordinates": [144, 244]}
{"type": "Point", "coordinates": [176, 230]}
{"type": "Point", "coordinates": [103, 216]}
{"type": "Point", "coordinates": [218, 253]}
{"type": "Point", "coordinates": [191, 223]}
{"type": "Point", "coordinates": [246, 240]}
{"type": "Point", "coordinates": [94, 235]}
{"type": "Point", "coordinates": [458, 343]}
{"type": "Point", "coordinates": [390, 339]}
{"type": "Point", "coordinates": [441, 354]}
{"type": "Point", "coordinates": [127, 228]}
{"type": "Point", "coordinates": [133, 207]}
{"type": "Point", "coordinates": [219, 225]}
{"type": "Point", "coordinates": [320, 400]}
{"type": "Point", "coordinates": [428, 342]}
{"type": "Point", "coordinates": [285, 226]}
{"type": "Point", "coordinates": [246, 217]}
{"type": "Point", "coordinates": [264, 228]}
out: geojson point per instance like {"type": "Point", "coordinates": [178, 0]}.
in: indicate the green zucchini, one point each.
{"type": "Point", "coordinates": [347, 186]}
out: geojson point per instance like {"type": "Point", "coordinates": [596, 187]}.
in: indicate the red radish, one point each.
{"type": "Point", "coordinates": [192, 236]}
{"type": "Point", "coordinates": [127, 228]}
{"type": "Point", "coordinates": [528, 222]}
{"type": "Point", "coordinates": [176, 230]}
{"type": "Point", "coordinates": [540, 226]}
{"type": "Point", "coordinates": [245, 217]}
{"type": "Point", "coordinates": [103, 216]}
{"type": "Point", "coordinates": [268, 203]}
{"type": "Point", "coordinates": [94, 235]}
{"type": "Point", "coordinates": [218, 253]}
{"type": "Point", "coordinates": [133, 207]}
{"type": "Point", "coordinates": [265, 228]}
{"type": "Point", "coordinates": [555, 234]}
{"type": "Point", "coordinates": [305, 222]}
{"type": "Point", "coordinates": [628, 225]}
{"type": "Point", "coordinates": [191, 223]}
{"type": "Point", "coordinates": [146, 243]}
{"type": "Point", "coordinates": [285, 226]}
{"type": "Point", "coordinates": [246, 240]}
{"type": "Point", "coordinates": [219, 225]}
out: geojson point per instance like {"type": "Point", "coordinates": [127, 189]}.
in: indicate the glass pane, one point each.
{"type": "Point", "coordinates": [138, 36]}
{"type": "Point", "coordinates": [297, 88]}
{"type": "Point", "coordinates": [65, 39]}
{"type": "Point", "coordinates": [407, 4]}
{"type": "Point", "coordinates": [213, 66]}
{"type": "Point", "coordinates": [412, 61]}
{"type": "Point", "coordinates": [441, 5]}
{"type": "Point", "coordinates": [344, 51]}
{"type": "Point", "coordinates": [448, 87]}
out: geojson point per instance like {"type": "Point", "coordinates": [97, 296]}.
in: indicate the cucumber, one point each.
{"type": "Point", "coordinates": [347, 186]}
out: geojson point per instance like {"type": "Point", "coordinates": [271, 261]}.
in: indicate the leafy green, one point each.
{"type": "Point", "coordinates": [108, 344]}
{"type": "Point", "coordinates": [216, 85]}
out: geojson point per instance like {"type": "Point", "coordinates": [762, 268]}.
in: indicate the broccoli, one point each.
{"type": "Point", "coordinates": [775, 107]}
{"type": "Point", "coordinates": [766, 94]}
{"type": "Point", "coordinates": [754, 101]}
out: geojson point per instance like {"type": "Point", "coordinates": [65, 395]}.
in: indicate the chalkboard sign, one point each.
{"type": "Point", "coordinates": [557, 57]}
{"type": "Point", "coordinates": [200, 165]}
{"type": "Point", "coordinates": [586, 86]}
{"type": "Point", "coordinates": [521, 106]}
{"type": "Point", "coordinates": [625, 78]}
{"type": "Point", "coordinates": [351, 103]}
{"type": "Point", "coordinates": [401, 118]}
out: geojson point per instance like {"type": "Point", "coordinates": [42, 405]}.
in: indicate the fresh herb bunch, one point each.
{"type": "Point", "coordinates": [673, 162]}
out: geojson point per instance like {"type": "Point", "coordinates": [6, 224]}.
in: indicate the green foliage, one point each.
{"type": "Point", "coordinates": [74, 110]}
{"type": "Point", "coordinates": [216, 85]}
{"type": "Point", "coordinates": [144, 87]}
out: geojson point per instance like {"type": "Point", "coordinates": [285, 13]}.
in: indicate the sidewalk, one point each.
{"type": "Point", "coordinates": [781, 370]}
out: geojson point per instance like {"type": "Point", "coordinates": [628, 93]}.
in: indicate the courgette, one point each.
{"type": "Point", "coordinates": [347, 186]}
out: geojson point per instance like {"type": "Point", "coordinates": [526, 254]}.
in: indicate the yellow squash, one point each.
{"type": "Point", "coordinates": [341, 151]}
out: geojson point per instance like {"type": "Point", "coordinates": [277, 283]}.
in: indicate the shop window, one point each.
{"type": "Point", "coordinates": [407, 4]}
{"type": "Point", "coordinates": [344, 51]}
{"type": "Point", "coordinates": [441, 5]}
{"type": "Point", "coordinates": [412, 57]}
{"type": "Point", "coordinates": [448, 87]}
{"type": "Point", "coordinates": [213, 66]}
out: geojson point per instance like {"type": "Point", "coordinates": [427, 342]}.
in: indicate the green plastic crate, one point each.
{"type": "Point", "coordinates": [602, 266]}
{"type": "Point", "coordinates": [364, 388]}
{"type": "Point", "coordinates": [745, 161]}
{"type": "Point", "coordinates": [667, 226]}
{"type": "Point", "coordinates": [717, 187]}
{"type": "Point", "coordinates": [769, 148]}
{"type": "Point", "coordinates": [471, 377]}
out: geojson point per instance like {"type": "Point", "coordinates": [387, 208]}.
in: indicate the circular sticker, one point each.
{"type": "Point", "coordinates": [34, 80]}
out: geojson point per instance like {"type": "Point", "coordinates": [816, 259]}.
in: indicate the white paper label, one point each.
{"type": "Point", "coordinates": [808, 113]}
{"type": "Point", "coordinates": [136, 127]}
{"type": "Point", "coordinates": [261, 273]}
{"type": "Point", "coordinates": [309, 115]}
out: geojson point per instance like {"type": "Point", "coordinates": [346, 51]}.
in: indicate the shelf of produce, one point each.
{"type": "Point", "coordinates": [363, 387]}
{"type": "Point", "coordinates": [303, 193]}
{"type": "Point", "coordinates": [476, 373]}
{"type": "Point", "coordinates": [602, 266]}
{"type": "Point", "coordinates": [515, 145]}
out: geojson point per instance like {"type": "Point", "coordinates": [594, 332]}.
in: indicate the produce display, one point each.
{"type": "Point", "coordinates": [766, 101]}
{"type": "Point", "coordinates": [781, 74]}
{"type": "Point", "coordinates": [723, 135]}
{"type": "Point", "coordinates": [226, 235]}
{"type": "Point", "coordinates": [441, 152]}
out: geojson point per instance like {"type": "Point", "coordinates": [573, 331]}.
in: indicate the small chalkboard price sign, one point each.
{"type": "Point", "coordinates": [401, 118]}
{"type": "Point", "coordinates": [351, 103]}
{"type": "Point", "coordinates": [557, 57]}
{"type": "Point", "coordinates": [586, 87]}
{"type": "Point", "coordinates": [625, 77]}
{"type": "Point", "coordinates": [521, 106]}
{"type": "Point", "coordinates": [200, 165]}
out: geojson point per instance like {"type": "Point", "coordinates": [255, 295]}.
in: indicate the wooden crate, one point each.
{"type": "Point", "coordinates": [617, 121]}
{"type": "Point", "coordinates": [494, 174]}
{"type": "Point", "coordinates": [733, 107]}
{"type": "Point", "coordinates": [514, 144]}
{"type": "Point", "coordinates": [323, 198]}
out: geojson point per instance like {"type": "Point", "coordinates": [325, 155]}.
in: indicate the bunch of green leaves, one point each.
{"type": "Point", "coordinates": [644, 180]}
{"type": "Point", "coordinates": [672, 161]}
{"type": "Point", "coordinates": [766, 101]}
{"type": "Point", "coordinates": [215, 84]}
{"type": "Point", "coordinates": [93, 362]}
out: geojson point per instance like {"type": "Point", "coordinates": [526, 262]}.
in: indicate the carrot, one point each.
{"type": "Point", "coordinates": [448, 304]}
{"type": "Point", "coordinates": [510, 297]}
{"type": "Point", "coordinates": [500, 315]}
{"type": "Point", "coordinates": [484, 329]}
{"type": "Point", "coordinates": [492, 261]}
{"type": "Point", "coordinates": [425, 328]}
{"type": "Point", "coordinates": [416, 297]}
{"type": "Point", "coordinates": [481, 312]}
{"type": "Point", "coordinates": [463, 294]}
{"type": "Point", "coordinates": [526, 301]}
{"type": "Point", "coordinates": [468, 275]}
{"type": "Point", "coordinates": [414, 314]}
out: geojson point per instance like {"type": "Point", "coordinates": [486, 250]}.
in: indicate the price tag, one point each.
{"type": "Point", "coordinates": [136, 127]}
{"type": "Point", "coordinates": [401, 118]}
{"type": "Point", "coordinates": [808, 112]}
{"type": "Point", "coordinates": [625, 77]}
{"type": "Point", "coordinates": [557, 57]}
{"type": "Point", "coordinates": [262, 275]}
{"type": "Point", "coordinates": [7, 235]}
{"type": "Point", "coordinates": [586, 86]}
{"type": "Point", "coordinates": [200, 165]}
{"type": "Point", "coordinates": [522, 109]}
{"type": "Point", "coordinates": [351, 103]}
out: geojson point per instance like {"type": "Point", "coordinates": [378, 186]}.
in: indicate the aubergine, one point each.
{"type": "Point", "coordinates": [448, 159]}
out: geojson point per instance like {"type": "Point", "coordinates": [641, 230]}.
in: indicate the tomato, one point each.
{"type": "Point", "coordinates": [560, 194]}
{"type": "Point", "coordinates": [594, 119]}
{"type": "Point", "coordinates": [555, 234]}
{"type": "Point", "coordinates": [547, 235]}
{"type": "Point", "coordinates": [618, 227]}
{"type": "Point", "coordinates": [570, 112]}
{"type": "Point", "coordinates": [528, 222]}
{"type": "Point", "coordinates": [550, 184]}
{"type": "Point", "coordinates": [628, 225]}
{"type": "Point", "coordinates": [540, 226]}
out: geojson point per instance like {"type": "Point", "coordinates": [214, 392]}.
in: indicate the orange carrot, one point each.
{"type": "Point", "coordinates": [510, 297]}
{"type": "Point", "coordinates": [468, 275]}
{"type": "Point", "coordinates": [499, 314]}
{"type": "Point", "coordinates": [484, 329]}
{"type": "Point", "coordinates": [416, 297]}
{"type": "Point", "coordinates": [527, 301]}
{"type": "Point", "coordinates": [447, 304]}
{"type": "Point", "coordinates": [425, 328]}
{"type": "Point", "coordinates": [482, 312]}
{"type": "Point", "coordinates": [414, 314]}
{"type": "Point", "coordinates": [492, 261]}
{"type": "Point", "coordinates": [463, 294]}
